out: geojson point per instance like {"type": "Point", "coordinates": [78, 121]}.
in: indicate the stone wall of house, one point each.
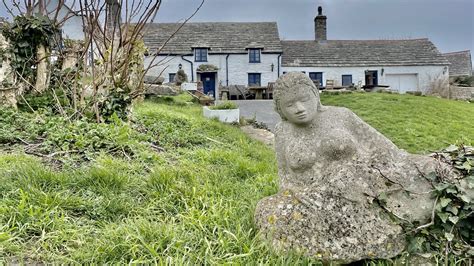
{"type": "Point", "coordinates": [462, 93]}
{"type": "Point", "coordinates": [426, 75]}
{"type": "Point", "coordinates": [239, 68]}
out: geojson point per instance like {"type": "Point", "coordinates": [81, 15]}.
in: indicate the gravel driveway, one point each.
{"type": "Point", "coordinates": [262, 110]}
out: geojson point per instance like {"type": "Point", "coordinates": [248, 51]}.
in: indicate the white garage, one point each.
{"type": "Point", "coordinates": [402, 82]}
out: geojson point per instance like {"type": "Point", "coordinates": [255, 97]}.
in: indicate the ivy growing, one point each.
{"type": "Point", "coordinates": [451, 231]}
{"type": "Point", "coordinates": [25, 34]}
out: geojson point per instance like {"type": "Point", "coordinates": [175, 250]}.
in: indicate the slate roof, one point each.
{"type": "Point", "coordinates": [220, 37]}
{"type": "Point", "coordinates": [337, 53]}
{"type": "Point", "coordinates": [461, 64]}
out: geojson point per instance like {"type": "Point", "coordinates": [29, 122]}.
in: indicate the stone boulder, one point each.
{"type": "Point", "coordinates": [344, 187]}
{"type": "Point", "coordinates": [154, 80]}
{"type": "Point", "coordinates": [163, 90]}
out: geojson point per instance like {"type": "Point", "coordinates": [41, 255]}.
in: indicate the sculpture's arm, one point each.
{"type": "Point", "coordinates": [369, 138]}
{"type": "Point", "coordinates": [280, 149]}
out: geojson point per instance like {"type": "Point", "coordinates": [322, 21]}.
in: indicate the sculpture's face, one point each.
{"type": "Point", "coordinates": [299, 106]}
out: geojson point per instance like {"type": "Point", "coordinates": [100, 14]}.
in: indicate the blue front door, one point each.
{"type": "Point", "coordinates": [209, 83]}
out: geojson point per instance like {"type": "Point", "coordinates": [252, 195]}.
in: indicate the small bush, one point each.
{"type": "Point", "coordinates": [225, 106]}
{"type": "Point", "coordinates": [180, 77]}
{"type": "Point", "coordinates": [416, 93]}
{"type": "Point", "coordinates": [464, 81]}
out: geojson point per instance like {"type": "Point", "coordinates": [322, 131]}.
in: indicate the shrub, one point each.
{"type": "Point", "coordinates": [464, 81]}
{"type": "Point", "coordinates": [180, 77]}
{"type": "Point", "coordinates": [416, 93]}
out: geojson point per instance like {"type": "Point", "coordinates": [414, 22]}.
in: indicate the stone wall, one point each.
{"type": "Point", "coordinates": [462, 93]}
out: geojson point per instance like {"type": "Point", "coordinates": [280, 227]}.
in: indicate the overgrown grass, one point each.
{"type": "Point", "coordinates": [414, 123]}
{"type": "Point", "coordinates": [171, 187]}
{"type": "Point", "coordinates": [193, 203]}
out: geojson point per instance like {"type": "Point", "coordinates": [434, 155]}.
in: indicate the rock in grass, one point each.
{"type": "Point", "coordinates": [344, 187]}
{"type": "Point", "coordinates": [154, 90]}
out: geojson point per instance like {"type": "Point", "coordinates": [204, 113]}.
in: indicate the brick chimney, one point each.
{"type": "Point", "coordinates": [320, 31]}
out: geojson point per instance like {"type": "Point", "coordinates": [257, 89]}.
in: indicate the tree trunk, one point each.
{"type": "Point", "coordinates": [7, 89]}
{"type": "Point", "coordinates": [42, 71]}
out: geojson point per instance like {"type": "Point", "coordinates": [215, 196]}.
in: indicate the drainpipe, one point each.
{"type": "Point", "coordinates": [227, 70]}
{"type": "Point", "coordinates": [192, 68]}
{"type": "Point", "coordinates": [279, 56]}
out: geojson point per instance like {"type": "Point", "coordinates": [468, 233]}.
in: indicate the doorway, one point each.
{"type": "Point", "coordinates": [371, 78]}
{"type": "Point", "coordinates": [209, 83]}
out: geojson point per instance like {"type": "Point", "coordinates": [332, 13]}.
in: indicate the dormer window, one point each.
{"type": "Point", "coordinates": [200, 54]}
{"type": "Point", "coordinates": [254, 55]}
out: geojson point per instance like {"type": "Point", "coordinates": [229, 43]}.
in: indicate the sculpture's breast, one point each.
{"type": "Point", "coordinates": [333, 145]}
{"type": "Point", "coordinates": [337, 145]}
{"type": "Point", "coordinates": [301, 154]}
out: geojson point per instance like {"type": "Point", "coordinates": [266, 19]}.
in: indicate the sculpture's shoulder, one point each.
{"type": "Point", "coordinates": [281, 132]}
{"type": "Point", "coordinates": [279, 128]}
{"type": "Point", "coordinates": [336, 110]}
{"type": "Point", "coordinates": [339, 115]}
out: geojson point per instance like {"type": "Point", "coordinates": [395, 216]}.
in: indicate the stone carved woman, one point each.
{"type": "Point", "coordinates": [332, 166]}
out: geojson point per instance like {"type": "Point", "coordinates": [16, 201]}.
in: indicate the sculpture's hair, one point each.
{"type": "Point", "coordinates": [287, 83]}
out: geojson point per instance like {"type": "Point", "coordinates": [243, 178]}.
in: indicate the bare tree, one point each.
{"type": "Point", "coordinates": [110, 56]}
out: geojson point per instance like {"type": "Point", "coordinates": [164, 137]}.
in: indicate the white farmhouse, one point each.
{"type": "Point", "coordinates": [216, 53]}
{"type": "Point", "coordinates": [402, 65]}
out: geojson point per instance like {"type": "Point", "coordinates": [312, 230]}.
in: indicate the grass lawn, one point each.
{"type": "Point", "coordinates": [414, 123]}
{"type": "Point", "coordinates": [171, 187]}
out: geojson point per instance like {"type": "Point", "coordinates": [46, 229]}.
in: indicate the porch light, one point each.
{"type": "Point", "coordinates": [180, 66]}
{"type": "Point", "coordinates": [273, 66]}
{"type": "Point", "coordinates": [382, 71]}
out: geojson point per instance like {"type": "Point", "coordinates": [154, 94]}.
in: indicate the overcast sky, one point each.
{"type": "Point", "coordinates": [449, 24]}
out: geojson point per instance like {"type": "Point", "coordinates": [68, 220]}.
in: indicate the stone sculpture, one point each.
{"type": "Point", "coordinates": [341, 182]}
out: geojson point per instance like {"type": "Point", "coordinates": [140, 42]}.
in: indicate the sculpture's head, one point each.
{"type": "Point", "coordinates": [296, 98]}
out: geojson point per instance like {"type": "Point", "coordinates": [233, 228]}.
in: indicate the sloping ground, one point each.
{"type": "Point", "coordinates": [414, 123]}
{"type": "Point", "coordinates": [188, 198]}
{"type": "Point", "coordinates": [171, 187]}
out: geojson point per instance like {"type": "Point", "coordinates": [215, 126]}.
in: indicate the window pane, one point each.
{"type": "Point", "coordinates": [171, 77]}
{"type": "Point", "coordinates": [200, 55]}
{"type": "Point", "coordinates": [346, 80]}
{"type": "Point", "coordinates": [316, 76]}
{"type": "Point", "coordinates": [254, 79]}
{"type": "Point", "coordinates": [254, 55]}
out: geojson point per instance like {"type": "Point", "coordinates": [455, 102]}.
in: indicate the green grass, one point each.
{"type": "Point", "coordinates": [416, 124]}
{"type": "Point", "coordinates": [190, 201]}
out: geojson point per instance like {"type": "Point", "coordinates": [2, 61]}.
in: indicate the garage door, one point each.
{"type": "Point", "coordinates": [402, 82]}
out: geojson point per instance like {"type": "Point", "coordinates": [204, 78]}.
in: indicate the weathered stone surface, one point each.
{"type": "Point", "coordinates": [341, 182]}
{"type": "Point", "coordinates": [152, 89]}
{"type": "Point", "coordinates": [154, 80]}
{"type": "Point", "coordinates": [462, 93]}
{"type": "Point", "coordinates": [8, 93]}
{"type": "Point", "coordinates": [259, 134]}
